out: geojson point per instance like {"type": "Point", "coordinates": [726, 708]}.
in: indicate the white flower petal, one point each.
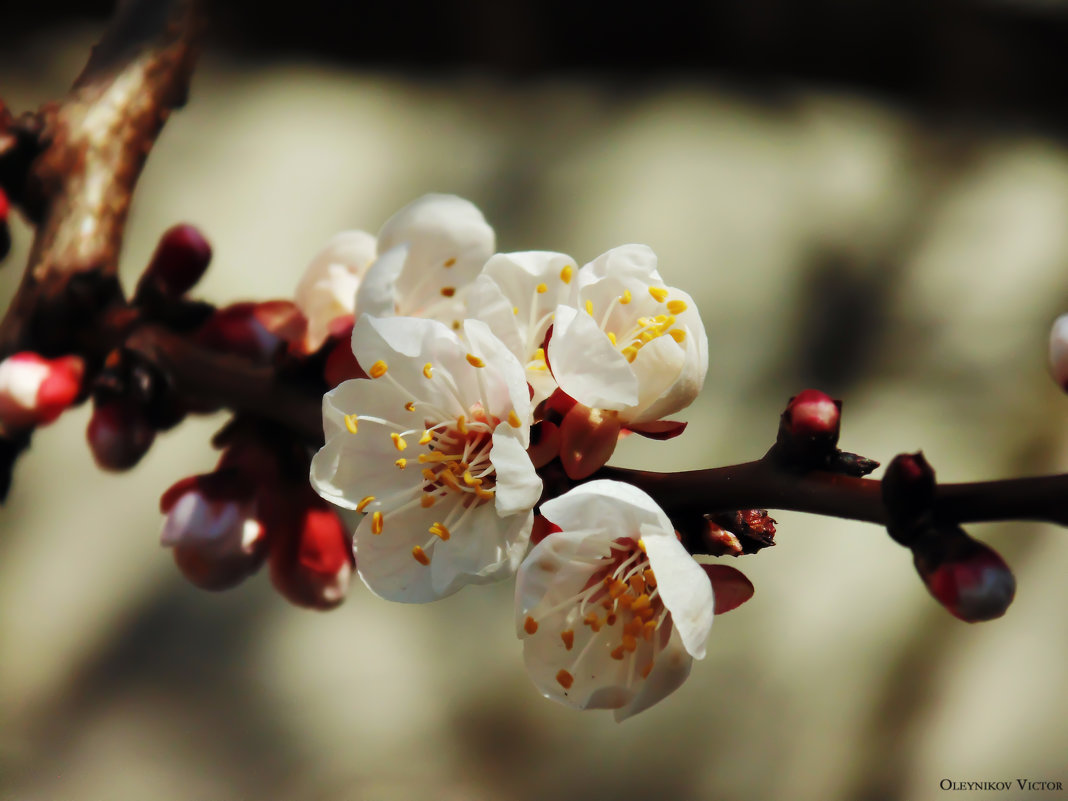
{"type": "Point", "coordinates": [327, 289]}
{"type": "Point", "coordinates": [378, 291]}
{"type": "Point", "coordinates": [496, 354]}
{"type": "Point", "coordinates": [518, 485]}
{"type": "Point", "coordinates": [685, 588]}
{"type": "Point", "coordinates": [623, 262]}
{"type": "Point", "coordinates": [587, 366]}
{"type": "Point", "coordinates": [608, 505]}
{"type": "Point", "coordinates": [670, 670]}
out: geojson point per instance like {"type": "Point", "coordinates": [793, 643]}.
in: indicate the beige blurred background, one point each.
{"type": "Point", "coordinates": [908, 263]}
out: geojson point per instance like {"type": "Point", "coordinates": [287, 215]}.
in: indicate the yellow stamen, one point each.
{"type": "Point", "coordinates": [376, 523]}
{"type": "Point", "coordinates": [439, 530]}
{"type": "Point", "coordinates": [410, 406]}
{"type": "Point", "coordinates": [450, 262]}
{"type": "Point", "coordinates": [624, 299]}
{"type": "Point", "coordinates": [630, 353]}
{"type": "Point", "coordinates": [629, 643]}
{"type": "Point", "coordinates": [364, 503]}
{"type": "Point", "coordinates": [428, 370]}
{"type": "Point", "coordinates": [461, 424]}
{"type": "Point", "coordinates": [420, 555]}
{"type": "Point", "coordinates": [470, 480]}
{"type": "Point", "coordinates": [676, 306]}
{"type": "Point", "coordinates": [427, 500]}
{"type": "Point", "coordinates": [650, 578]}
{"type": "Point", "coordinates": [483, 494]}
{"type": "Point", "coordinates": [648, 630]}
{"type": "Point", "coordinates": [398, 441]}
{"type": "Point", "coordinates": [541, 289]}
{"type": "Point", "coordinates": [568, 636]}
{"type": "Point", "coordinates": [617, 653]}
{"type": "Point", "coordinates": [513, 419]}
{"type": "Point", "coordinates": [641, 602]}
{"type": "Point", "coordinates": [565, 274]}
{"type": "Point", "coordinates": [352, 422]}
{"type": "Point", "coordinates": [611, 337]}
{"type": "Point", "coordinates": [474, 361]}
{"type": "Point", "coordinates": [401, 463]}
{"type": "Point", "coordinates": [565, 679]}
{"type": "Point", "coordinates": [659, 293]}
{"type": "Point", "coordinates": [589, 307]}
{"type": "Point", "coordinates": [530, 625]}
{"type": "Point", "coordinates": [677, 334]}
{"type": "Point", "coordinates": [427, 436]}
{"type": "Point", "coordinates": [539, 355]}
{"type": "Point", "coordinates": [429, 474]}
{"type": "Point", "coordinates": [378, 369]}
{"type": "Point", "coordinates": [515, 310]}
{"type": "Point", "coordinates": [448, 291]}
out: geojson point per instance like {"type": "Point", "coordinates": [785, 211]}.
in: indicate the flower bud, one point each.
{"type": "Point", "coordinates": [813, 415]}
{"type": "Point", "coordinates": [730, 587]}
{"type": "Point", "coordinates": [1058, 351]}
{"type": "Point", "coordinates": [180, 260]}
{"type": "Point", "coordinates": [254, 330]}
{"type": "Point", "coordinates": [119, 434]}
{"type": "Point", "coordinates": [34, 390]}
{"type": "Point", "coordinates": [967, 577]}
{"type": "Point", "coordinates": [311, 560]}
{"type": "Point", "coordinates": [908, 494]}
{"type": "Point", "coordinates": [213, 530]}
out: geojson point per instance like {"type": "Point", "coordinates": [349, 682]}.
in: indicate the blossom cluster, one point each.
{"type": "Point", "coordinates": [478, 374]}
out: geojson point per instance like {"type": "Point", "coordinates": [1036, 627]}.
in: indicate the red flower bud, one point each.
{"type": "Point", "coordinates": [812, 414]}
{"type": "Point", "coordinates": [180, 260]}
{"type": "Point", "coordinates": [213, 530]}
{"type": "Point", "coordinates": [254, 330]}
{"type": "Point", "coordinates": [119, 434]}
{"type": "Point", "coordinates": [311, 559]}
{"type": "Point", "coordinates": [967, 577]}
{"type": "Point", "coordinates": [908, 494]}
{"type": "Point", "coordinates": [34, 391]}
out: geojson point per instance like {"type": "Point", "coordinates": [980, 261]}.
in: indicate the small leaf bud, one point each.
{"type": "Point", "coordinates": [181, 257]}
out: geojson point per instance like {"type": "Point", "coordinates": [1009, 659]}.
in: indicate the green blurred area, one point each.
{"type": "Point", "coordinates": [908, 264]}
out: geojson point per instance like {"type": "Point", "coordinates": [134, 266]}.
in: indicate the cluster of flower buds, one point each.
{"type": "Point", "coordinates": [222, 525]}
{"type": "Point", "coordinates": [967, 577]}
{"type": "Point", "coordinates": [471, 392]}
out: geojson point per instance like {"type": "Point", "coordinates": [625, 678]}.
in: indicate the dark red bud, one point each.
{"type": "Point", "coordinates": [119, 434]}
{"type": "Point", "coordinates": [180, 260]}
{"type": "Point", "coordinates": [311, 559]}
{"type": "Point", "coordinates": [908, 489]}
{"type": "Point", "coordinates": [967, 577]}
{"type": "Point", "coordinates": [544, 443]}
{"type": "Point", "coordinates": [254, 330]}
{"type": "Point", "coordinates": [730, 587]}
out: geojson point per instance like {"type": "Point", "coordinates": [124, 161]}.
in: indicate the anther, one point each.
{"type": "Point", "coordinates": [428, 370]}
{"type": "Point", "coordinates": [450, 262]}
{"type": "Point", "coordinates": [677, 334]}
{"type": "Point", "coordinates": [448, 291]}
{"type": "Point", "coordinates": [420, 556]}
{"type": "Point", "coordinates": [676, 306]}
{"type": "Point", "coordinates": [565, 679]}
{"type": "Point", "coordinates": [398, 441]}
{"type": "Point", "coordinates": [568, 636]}
{"type": "Point", "coordinates": [378, 369]}
{"type": "Point", "coordinates": [659, 293]}
{"type": "Point", "coordinates": [541, 289]}
{"type": "Point", "coordinates": [641, 602]}
{"type": "Point", "coordinates": [530, 626]}
{"type": "Point", "coordinates": [474, 361]}
{"type": "Point", "coordinates": [401, 463]}
{"type": "Point", "coordinates": [589, 307]}
{"type": "Point", "coordinates": [352, 422]}
{"type": "Point", "coordinates": [461, 421]}
{"type": "Point", "coordinates": [611, 337]}
{"type": "Point", "coordinates": [439, 530]}
{"type": "Point", "coordinates": [617, 653]}
{"type": "Point", "coordinates": [363, 504]}
{"type": "Point", "coordinates": [513, 419]}
{"type": "Point", "coordinates": [427, 500]}
{"type": "Point", "coordinates": [565, 274]}
{"type": "Point", "coordinates": [376, 523]}
{"type": "Point", "coordinates": [427, 436]}
{"type": "Point", "coordinates": [410, 406]}
{"type": "Point", "coordinates": [624, 299]}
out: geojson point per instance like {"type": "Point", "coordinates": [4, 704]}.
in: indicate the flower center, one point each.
{"type": "Point", "coordinates": [618, 611]}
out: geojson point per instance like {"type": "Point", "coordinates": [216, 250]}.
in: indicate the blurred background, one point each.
{"type": "Point", "coordinates": [868, 198]}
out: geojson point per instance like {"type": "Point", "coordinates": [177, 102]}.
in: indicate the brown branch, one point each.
{"type": "Point", "coordinates": [765, 484]}
{"type": "Point", "coordinates": [92, 145]}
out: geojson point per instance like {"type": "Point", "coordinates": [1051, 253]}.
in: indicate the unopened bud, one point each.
{"type": "Point", "coordinates": [181, 257]}
{"type": "Point", "coordinates": [967, 577]}
{"type": "Point", "coordinates": [752, 530]}
{"type": "Point", "coordinates": [908, 494]}
{"type": "Point", "coordinates": [119, 434]}
{"type": "Point", "coordinates": [588, 438]}
{"type": "Point", "coordinates": [717, 541]}
{"type": "Point", "coordinates": [544, 443]}
{"type": "Point", "coordinates": [730, 587]}
{"type": "Point", "coordinates": [311, 562]}
{"type": "Point", "coordinates": [254, 330]}
{"type": "Point", "coordinates": [813, 415]}
{"type": "Point", "coordinates": [34, 391]}
{"type": "Point", "coordinates": [212, 529]}
{"type": "Point", "coordinates": [1058, 351]}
